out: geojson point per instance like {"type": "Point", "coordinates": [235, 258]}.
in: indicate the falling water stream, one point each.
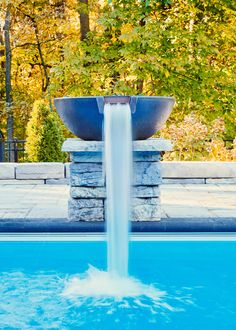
{"type": "Point", "coordinates": [116, 282]}
{"type": "Point", "coordinates": [118, 165]}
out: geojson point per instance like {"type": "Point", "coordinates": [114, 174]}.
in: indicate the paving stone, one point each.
{"type": "Point", "coordinates": [178, 211]}
{"type": "Point", "coordinates": [14, 215]}
{"type": "Point", "coordinates": [19, 206]}
{"type": "Point", "coordinates": [224, 212]}
{"type": "Point", "coordinates": [40, 171]}
{"type": "Point", "coordinates": [7, 171]}
{"type": "Point", "coordinates": [226, 187]}
{"type": "Point", "coordinates": [49, 212]}
{"type": "Point", "coordinates": [201, 188]}
{"type": "Point", "coordinates": [50, 201]}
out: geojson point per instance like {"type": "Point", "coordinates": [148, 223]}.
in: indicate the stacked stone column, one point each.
{"type": "Point", "coordinates": [87, 180]}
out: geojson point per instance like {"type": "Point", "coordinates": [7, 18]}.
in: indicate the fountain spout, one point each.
{"type": "Point", "coordinates": [117, 99]}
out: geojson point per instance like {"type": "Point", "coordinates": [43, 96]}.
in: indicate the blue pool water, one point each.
{"type": "Point", "coordinates": [186, 285]}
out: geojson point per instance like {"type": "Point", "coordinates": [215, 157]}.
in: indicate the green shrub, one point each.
{"type": "Point", "coordinates": [44, 135]}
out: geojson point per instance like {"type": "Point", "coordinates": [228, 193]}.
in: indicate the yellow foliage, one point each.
{"type": "Point", "coordinates": [44, 135]}
{"type": "Point", "coordinates": [194, 140]}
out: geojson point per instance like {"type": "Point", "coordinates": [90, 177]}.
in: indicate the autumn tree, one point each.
{"type": "Point", "coordinates": [158, 47]}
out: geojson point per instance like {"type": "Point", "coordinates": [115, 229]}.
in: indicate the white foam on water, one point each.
{"type": "Point", "coordinates": [51, 300]}
{"type": "Point", "coordinates": [97, 283]}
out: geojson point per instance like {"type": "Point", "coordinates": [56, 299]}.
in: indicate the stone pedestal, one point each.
{"type": "Point", "coordinates": [87, 179]}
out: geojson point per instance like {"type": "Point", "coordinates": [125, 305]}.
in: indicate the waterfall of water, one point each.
{"type": "Point", "coordinates": [118, 168]}
{"type": "Point", "coordinates": [102, 286]}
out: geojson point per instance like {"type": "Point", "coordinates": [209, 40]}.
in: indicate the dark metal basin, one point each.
{"type": "Point", "coordinates": [83, 116]}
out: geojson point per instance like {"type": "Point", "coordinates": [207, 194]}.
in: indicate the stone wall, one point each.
{"type": "Point", "coordinates": [172, 172]}
{"type": "Point", "coordinates": [87, 180]}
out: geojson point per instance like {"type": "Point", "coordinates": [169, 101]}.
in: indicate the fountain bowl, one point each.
{"type": "Point", "coordinates": [83, 116]}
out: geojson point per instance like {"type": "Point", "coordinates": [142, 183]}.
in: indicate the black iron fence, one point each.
{"type": "Point", "coordinates": [12, 150]}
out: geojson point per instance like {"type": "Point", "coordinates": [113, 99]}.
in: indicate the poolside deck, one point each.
{"type": "Point", "coordinates": [37, 201]}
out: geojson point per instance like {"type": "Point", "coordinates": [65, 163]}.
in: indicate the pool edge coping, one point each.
{"type": "Point", "coordinates": [172, 225]}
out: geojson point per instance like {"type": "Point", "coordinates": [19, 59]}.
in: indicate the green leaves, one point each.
{"type": "Point", "coordinates": [44, 135]}
{"type": "Point", "coordinates": [150, 47]}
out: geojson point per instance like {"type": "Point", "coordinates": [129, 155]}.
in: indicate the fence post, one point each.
{"type": "Point", "coordinates": [15, 149]}
{"type": "Point", "coordinates": [2, 147]}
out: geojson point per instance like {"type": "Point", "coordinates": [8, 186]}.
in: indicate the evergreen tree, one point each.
{"type": "Point", "coordinates": [44, 135]}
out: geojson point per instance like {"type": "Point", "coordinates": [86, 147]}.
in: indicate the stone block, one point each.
{"type": "Point", "coordinates": [88, 192]}
{"type": "Point", "coordinates": [147, 173]}
{"type": "Point", "coordinates": [146, 191]}
{"type": "Point", "coordinates": [86, 174]}
{"type": "Point", "coordinates": [152, 145]}
{"type": "Point", "coordinates": [77, 145]}
{"type": "Point", "coordinates": [67, 170]}
{"type": "Point", "coordinates": [146, 209]}
{"type": "Point", "coordinates": [146, 156]}
{"type": "Point", "coordinates": [97, 157]}
{"type": "Point", "coordinates": [100, 192]}
{"type": "Point", "coordinates": [87, 157]}
{"type": "Point", "coordinates": [21, 182]}
{"type": "Point", "coordinates": [91, 174]}
{"type": "Point", "coordinates": [64, 181]}
{"type": "Point", "coordinates": [196, 169]}
{"type": "Point", "coordinates": [40, 171]}
{"type": "Point", "coordinates": [86, 209]}
{"type": "Point", "coordinates": [183, 181]}
{"type": "Point", "coordinates": [221, 181]}
{"type": "Point", "coordinates": [7, 171]}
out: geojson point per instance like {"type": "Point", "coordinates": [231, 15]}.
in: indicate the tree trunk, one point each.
{"type": "Point", "coordinates": [139, 86]}
{"type": "Point", "coordinates": [8, 87]}
{"type": "Point", "coordinates": [60, 12]}
{"type": "Point", "coordinates": [45, 83]}
{"type": "Point", "coordinates": [2, 65]}
{"type": "Point", "coordinates": [84, 19]}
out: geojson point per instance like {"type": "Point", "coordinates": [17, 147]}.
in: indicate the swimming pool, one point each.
{"type": "Point", "coordinates": [186, 281]}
